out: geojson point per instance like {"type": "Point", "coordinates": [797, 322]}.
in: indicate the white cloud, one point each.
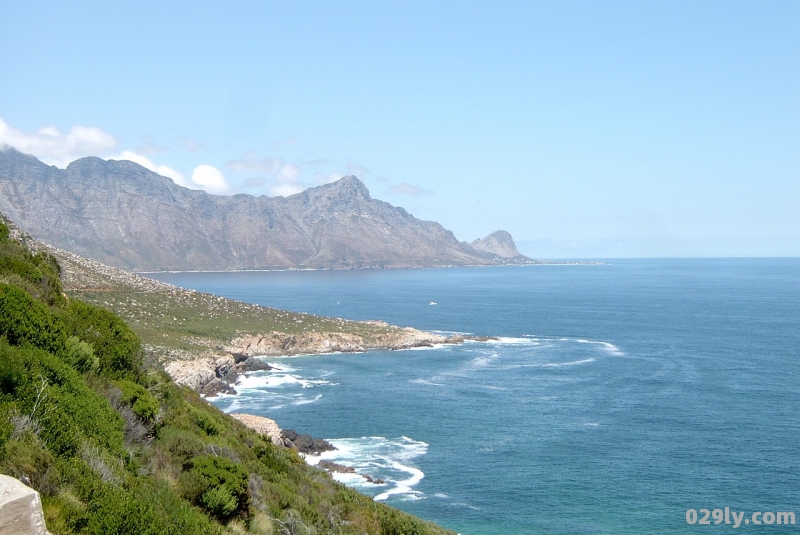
{"type": "Point", "coordinates": [358, 170]}
{"type": "Point", "coordinates": [286, 181]}
{"type": "Point", "coordinates": [405, 188]}
{"type": "Point", "coordinates": [205, 177]}
{"type": "Point", "coordinates": [288, 173]}
{"type": "Point", "coordinates": [285, 178]}
{"type": "Point", "coordinates": [147, 163]}
{"type": "Point", "coordinates": [249, 164]}
{"type": "Point", "coordinates": [54, 147]}
{"type": "Point", "coordinates": [192, 145]}
{"type": "Point", "coordinates": [210, 179]}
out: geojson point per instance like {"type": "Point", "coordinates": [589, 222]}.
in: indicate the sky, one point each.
{"type": "Point", "coordinates": [585, 129]}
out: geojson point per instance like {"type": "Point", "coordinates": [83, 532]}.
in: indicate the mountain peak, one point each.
{"type": "Point", "coordinates": [499, 243]}
{"type": "Point", "coordinates": [349, 186]}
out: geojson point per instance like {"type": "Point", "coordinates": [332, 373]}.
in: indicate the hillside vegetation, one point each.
{"type": "Point", "coordinates": [115, 447]}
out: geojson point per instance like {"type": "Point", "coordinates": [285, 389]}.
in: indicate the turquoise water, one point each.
{"type": "Point", "coordinates": [618, 396]}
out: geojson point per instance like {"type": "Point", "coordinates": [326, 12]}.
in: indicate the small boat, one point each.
{"type": "Point", "coordinates": [434, 303]}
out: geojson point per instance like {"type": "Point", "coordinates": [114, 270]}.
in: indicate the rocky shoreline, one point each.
{"type": "Point", "coordinates": [216, 373]}
{"type": "Point", "coordinates": [305, 444]}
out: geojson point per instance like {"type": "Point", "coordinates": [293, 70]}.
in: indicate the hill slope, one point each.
{"type": "Point", "coordinates": [121, 214]}
{"type": "Point", "coordinates": [113, 446]}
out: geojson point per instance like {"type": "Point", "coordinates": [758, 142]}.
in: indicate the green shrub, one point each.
{"type": "Point", "coordinates": [80, 355]}
{"type": "Point", "coordinates": [39, 274]}
{"type": "Point", "coordinates": [26, 321]}
{"type": "Point", "coordinates": [205, 421]}
{"type": "Point", "coordinates": [218, 473]}
{"type": "Point", "coordinates": [219, 502]}
{"type": "Point", "coordinates": [115, 344]}
{"type": "Point", "coordinates": [28, 457]}
{"type": "Point", "coordinates": [144, 405]}
{"type": "Point", "coordinates": [52, 393]}
{"type": "Point", "coordinates": [181, 445]}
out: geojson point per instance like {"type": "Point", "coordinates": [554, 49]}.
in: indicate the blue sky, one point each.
{"type": "Point", "coordinates": [586, 129]}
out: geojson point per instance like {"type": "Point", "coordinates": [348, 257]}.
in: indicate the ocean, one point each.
{"type": "Point", "coordinates": [616, 397]}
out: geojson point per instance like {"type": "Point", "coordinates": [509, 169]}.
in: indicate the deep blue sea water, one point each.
{"type": "Point", "coordinates": [618, 396]}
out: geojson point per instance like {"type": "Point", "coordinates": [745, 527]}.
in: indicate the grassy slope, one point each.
{"type": "Point", "coordinates": [167, 317]}
{"type": "Point", "coordinates": [115, 447]}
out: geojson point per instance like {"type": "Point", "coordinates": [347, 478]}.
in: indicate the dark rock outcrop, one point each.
{"type": "Point", "coordinates": [121, 214]}
{"type": "Point", "coordinates": [253, 364]}
{"type": "Point", "coordinates": [305, 443]}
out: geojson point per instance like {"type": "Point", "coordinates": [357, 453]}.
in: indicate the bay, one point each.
{"type": "Point", "coordinates": [617, 396]}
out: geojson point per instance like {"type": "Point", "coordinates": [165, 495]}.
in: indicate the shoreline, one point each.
{"type": "Point", "coordinates": [387, 268]}
{"type": "Point", "coordinates": [214, 373]}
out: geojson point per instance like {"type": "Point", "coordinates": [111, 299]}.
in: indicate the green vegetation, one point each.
{"type": "Point", "coordinates": [195, 321]}
{"type": "Point", "coordinates": [115, 447]}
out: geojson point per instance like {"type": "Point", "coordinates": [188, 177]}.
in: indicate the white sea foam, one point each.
{"type": "Point", "coordinates": [272, 379]}
{"type": "Point", "coordinates": [611, 348]}
{"type": "Point", "coordinates": [431, 347]}
{"type": "Point", "coordinates": [549, 364]}
{"type": "Point", "coordinates": [306, 401]}
{"type": "Point", "coordinates": [378, 457]}
{"type": "Point", "coordinates": [425, 382]}
{"type": "Point", "coordinates": [508, 340]}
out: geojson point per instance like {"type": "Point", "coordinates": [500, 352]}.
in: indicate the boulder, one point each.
{"type": "Point", "coordinates": [253, 364]}
{"type": "Point", "coordinates": [216, 387]}
{"type": "Point", "coordinates": [305, 443]}
{"type": "Point", "coordinates": [20, 509]}
{"type": "Point", "coordinates": [262, 425]}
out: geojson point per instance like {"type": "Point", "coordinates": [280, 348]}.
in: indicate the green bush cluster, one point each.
{"type": "Point", "coordinates": [217, 484]}
{"type": "Point", "coordinates": [38, 273]}
{"type": "Point", "coordinates": [142, 402]}
{"type": "Point", "coordinates": [116, 346]}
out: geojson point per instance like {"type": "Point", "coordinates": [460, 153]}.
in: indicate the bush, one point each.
{"type": "Point", "coordinates": [80, 355]}
{"type": "Point", "coordinates": [219, 502]}
{"type": "Point", "coordinates": [39, 274]}
{"type": "Point", "coordinates": [144, 405]}
{"type": "Point", "coordinates": [115, 344]}
{"type": "Point", "coordinates": [182, 445]}
{"type": "Point", "coordinates": [53, 394]}
{"type": "Point", "coordinates": [26, 321]}
{"type": "Point", "coordinates": [217, 473]}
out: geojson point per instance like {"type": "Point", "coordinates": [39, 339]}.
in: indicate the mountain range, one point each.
{"type": "Point", "coordinates": [124, 215]}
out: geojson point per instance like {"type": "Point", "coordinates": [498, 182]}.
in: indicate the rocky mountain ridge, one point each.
{"type": "Point", "coordinates": [121, 214]}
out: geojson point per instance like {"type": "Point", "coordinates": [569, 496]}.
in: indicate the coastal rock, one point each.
{"type": "Point", "coordinates": [208, 375]}
{"type": "Point", "coordinates": [305, 443]}
{"type": "Point", "coordinates": [331, 466]}
{"type": "Point", "coordinates": [278, 343]}
{"type": "Point", "coordinates": [253, 364]}
{"type": "Point", "coordinates": [225, 368]}
{"type": "Point", "coordinates": [262, 425]}
{"type": "Point", "coordinates": [216, 387]}
{"type": "Point", "coordinates": [20, 509]}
